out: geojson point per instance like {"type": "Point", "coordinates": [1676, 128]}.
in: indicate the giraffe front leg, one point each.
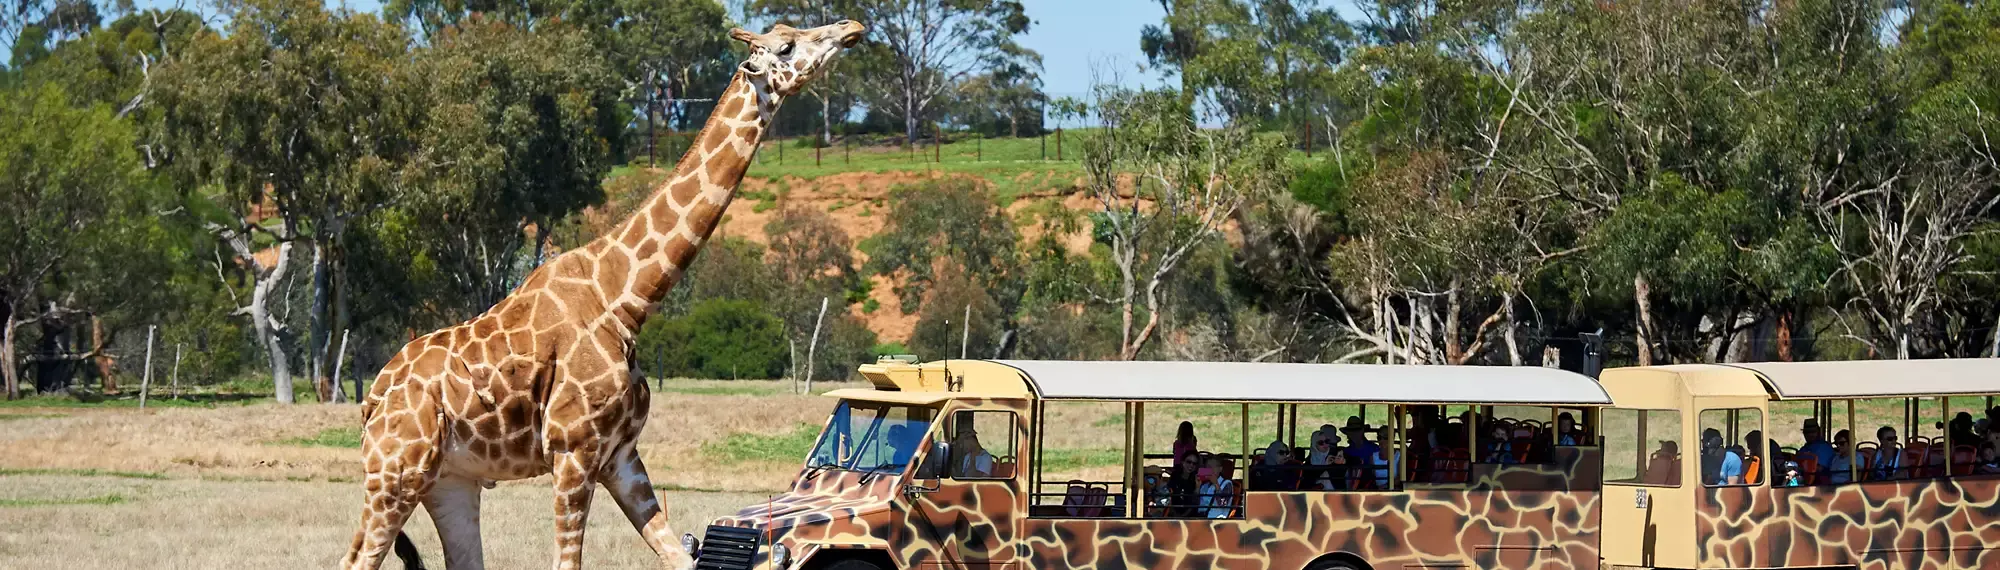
{"type": "Point", "coordinates": [629, 486]}
{"type": "Point", "coordinates": [576, 482]}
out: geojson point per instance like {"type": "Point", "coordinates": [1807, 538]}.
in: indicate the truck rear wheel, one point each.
{"type": "Point", "coordinates": [853, 564]}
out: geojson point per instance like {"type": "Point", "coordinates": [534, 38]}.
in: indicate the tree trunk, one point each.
{"type": "Point", "coordinates": [9, 368]}
{"type": "Point", "coordinates": [267, 335]}
{"type": "Point", "coordinates": [910, 116]}
{"type": "Point", "coordinates": [1454, 351]}
{"type": "Point", "coordinates": [107, 381]}
{"type": "Point", "coordinates": [1152, 320]}
{"type": "Point", "coordinates": [1513, 345]}
{"type": "Point", "coordinates": [1642, 293]}
{"type": "Point", "coordinates": [1785, 335]}
{"type": "Point", "coordinates": [320, 332]}
{"type": "Point", "coordinates": [825, 118]}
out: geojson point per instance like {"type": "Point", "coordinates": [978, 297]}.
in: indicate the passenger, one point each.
{"type": "Point", "coordinates": [1791, 475]}
{"type": "Point", "coordinates": [1962, 430]}
{"type": "Point", "coordinates": [1383, 459]}
{"type": "Point", "coordinates": [1360, 451]}
{"type": "Point", "coordinates": [1566, 432]}
{"type": "Point", "coordinates": [1185, 445]}
{"type": "Point", "coordinates": [1841, 469]}
{"type": "Point", "coordinates": [1989, 458]}
{"type": "Point", "coordinates": [1186, 482]}
{"type": "Point", "coordinates": [1276, 472]}
{"type": "Point", "coordinates": [1320, 461]}
{"type": "Point", "coordinates": [1663, 468]}
{"type": "Point", "coordinates": [1719, 466]}
{"type": "Point", "coordinates": [969, 459]}
{"type": "Point", "coordinates": [1217, 491]}
{"type": "Point", "coordinates": [1499, 450]}
{"type": "Point", "coordinates": [1816, 446]}
{"type": "Point", "coordinates": [1888, 457]}
{"type": "Point", "coordinates": [1756, 459]}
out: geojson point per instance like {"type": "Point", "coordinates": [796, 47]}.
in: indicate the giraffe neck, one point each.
{"type": "Point", "coordinates": [664, 235]}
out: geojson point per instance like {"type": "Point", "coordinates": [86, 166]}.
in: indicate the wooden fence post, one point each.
{"type": "Point", "coordinates": [1058, 144]}
{"type": "Point", "coordinates": [146, 382]}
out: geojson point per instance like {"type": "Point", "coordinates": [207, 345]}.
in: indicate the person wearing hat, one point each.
{"type": "Point", "coordinates": [1360, 451]}
{"type": "Point", "coordinates": [1719, 465]}
{"type": "Point", "coordinates": [1663, 468]}
{"type": "Point", "coordinates": [1816, 446]}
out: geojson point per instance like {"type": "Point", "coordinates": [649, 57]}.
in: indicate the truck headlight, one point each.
{"type": "Point", "coordinates": [780, 556]}
{"type": "Point", "coordinates": [691, 544]}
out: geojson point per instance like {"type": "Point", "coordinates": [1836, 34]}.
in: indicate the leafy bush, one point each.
{"type": "Point", "coordinates": [719, 338]}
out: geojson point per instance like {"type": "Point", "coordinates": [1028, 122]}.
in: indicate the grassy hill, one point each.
{"type": "Point", "coordinates": [851, 183]}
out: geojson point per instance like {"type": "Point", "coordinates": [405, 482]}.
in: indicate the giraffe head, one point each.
{"type": "Point", "coordinates": [788, 58]}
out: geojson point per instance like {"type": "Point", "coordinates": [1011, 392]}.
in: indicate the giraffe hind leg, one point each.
{"type": "Point", "coordinates": [399, 443]}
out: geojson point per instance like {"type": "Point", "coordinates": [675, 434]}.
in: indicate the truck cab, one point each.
{"type": "Point", "coordinates": [922, 470]}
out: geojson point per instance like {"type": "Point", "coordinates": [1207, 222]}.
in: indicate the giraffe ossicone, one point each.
{"type": "Point", "coordinates": [542, 383]}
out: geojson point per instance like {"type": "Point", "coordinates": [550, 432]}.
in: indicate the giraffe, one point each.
{"type": "Point", "coordinates": [542, 382]}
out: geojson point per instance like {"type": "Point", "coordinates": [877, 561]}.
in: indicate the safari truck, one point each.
{"type": "Point", "coordinates": [1047, 464]}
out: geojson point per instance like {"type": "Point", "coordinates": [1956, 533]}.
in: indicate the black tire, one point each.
{"type": "Point", "coordinates": [852, 564]}
{"type": "Point", "coordinates": [1333, 565]}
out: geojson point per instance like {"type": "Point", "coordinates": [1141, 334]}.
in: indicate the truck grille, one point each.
{"type": "Point", "coordinates": [728, 548]}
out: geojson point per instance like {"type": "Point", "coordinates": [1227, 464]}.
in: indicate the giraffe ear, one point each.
{"type": "Point", "coordinates": [742, 35]}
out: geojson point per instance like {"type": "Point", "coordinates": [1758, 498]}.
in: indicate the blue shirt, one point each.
{"type": "Point", "coordinates": [1821, 452]}
{"type": "Point", "coordinates": [1732, 466]}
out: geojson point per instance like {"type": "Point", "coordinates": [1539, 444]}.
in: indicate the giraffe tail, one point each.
{"type": "Point", "coordinates": [407, 551]}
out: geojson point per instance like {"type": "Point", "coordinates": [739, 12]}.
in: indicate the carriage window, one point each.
{"type": "Point", "coordinates": [1515, 435]}
{"type": "Point", "coordinates": [1642, 447]}
{"type": "Point", "coordinates": [1733, 449]}
{"type": "Point", "coordinates": [1080, 460]}
{"type": "Point", "coordinates": [983, 445]}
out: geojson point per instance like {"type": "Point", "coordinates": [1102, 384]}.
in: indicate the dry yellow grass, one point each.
{"type": "Point", "coordinates": [188, 523]}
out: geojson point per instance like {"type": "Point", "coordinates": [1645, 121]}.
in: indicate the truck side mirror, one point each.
{"type": "Point", "coordinates": [933, 464]}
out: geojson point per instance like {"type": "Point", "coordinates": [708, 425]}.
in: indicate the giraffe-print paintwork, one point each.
{"type": "Point", "coordinates": [1892, 525]}
{"type": "Point", "coordinates": [1509, 517]}
{"type": "Point", "coordinates": [542, 382]}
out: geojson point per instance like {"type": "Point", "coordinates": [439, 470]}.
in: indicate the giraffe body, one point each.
{"type": "Point", "coordinates": [542, 383]}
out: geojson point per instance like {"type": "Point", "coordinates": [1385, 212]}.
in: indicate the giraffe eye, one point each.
{"type": "Point", "coordinates": [785, 51]}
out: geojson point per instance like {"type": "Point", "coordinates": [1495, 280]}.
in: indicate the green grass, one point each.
{"type": "Point", "coordinates": [5, 472]}
{"type": "Point", "coordinates": [783, 447]}
{"type": "Point", "coordinates": [111, 499]}
{"type": "Point", "coordinates": [1003, 162]}
{"type": "Point", "coordinates": [342, 437]}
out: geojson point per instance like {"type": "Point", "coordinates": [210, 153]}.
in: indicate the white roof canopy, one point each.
{"type": "Point", "coordinates": [1878, 378]}
{"type": "Point", "coordinates": [1278, 382]}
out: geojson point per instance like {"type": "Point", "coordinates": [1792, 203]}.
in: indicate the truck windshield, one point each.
{"type": "Point", "coordinates": [871, 436]}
